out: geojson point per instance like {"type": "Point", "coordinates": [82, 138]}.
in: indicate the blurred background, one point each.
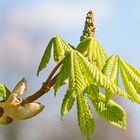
{"type": "Point", "coordinates": [25, 29]}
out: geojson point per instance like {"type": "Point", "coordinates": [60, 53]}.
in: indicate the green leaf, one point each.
{"type": "Point", "coordinates": [111, 70]}
{"type": "Point", "coordinates": [137, 72]}
{"type": "Point", "coordinates": [4, 91]}
{"type": "Point", "coordinates": [66, 46]}
{"type": "Point", "coordinates": [96, 76]}
{"type": "Point", "coordinates": [93, 50]}
{"type": "Point", "coordinates": [61, 48]}
{"type": "Point", "coordinates": [67, 103]}
{"type": "Point", "coordinates": [84, 44]}
{"type": "Point", "coordinates": [93, 89]}
{"type": "Point", "coordinates": [111, 111]}
{"type": "Point", "coordinates": [129, 87]}
{"type": "Point", "coordinates": [76, 79]}
{"type": "Point", "coordinates": [63, 73]}
{"type": "Point", "coordinates": [58, 49]}
{"type": "Point", "coordinates": [85, 118]}
{"type": "Point", "coordinates": [46, 57]}
{"type": "Point", "coordinates": [132, 73]}
{"type": "Point", "coordinates": [88, 49]}
{"type": "Point", "coordinates": [101, 55]}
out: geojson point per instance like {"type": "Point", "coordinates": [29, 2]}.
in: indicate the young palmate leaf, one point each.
{"type": "Point", "coordinates": [100, 79]}
{"type": "Point", "coordinates": [82, 73]}
{"type": "Point", "coordinates": [86, 48]}
{"type": "Point", "coordinates": [58, 49]}
{"type": "Point", "coordinates": [137, 72]}
{"type": "Point", "coordinates": [93, 50]}
{"type": "Point", "coordinates": [85, 118]}
{"type": "Point", "coordinates": [129, 87]}
{"type": "Point", "coordinates": [4, 91]}
{"type": "Point", "coordinates": [101, 54]}
{"type": "Point", "coordinates": [76, 87]}
{"type": "Point", "coordinates": [76, 78]}
{"type": "Point", "coordinates": [63, 73]}
{"type": "Point", "coordinates": [60, 46]}
{"type": "Point", "coordinates": [131, 79]}
{"type": "Point", "coordinates": [132, 72]}
{"type": "Point", "coordinates": [46, 57]}
{"type": "Point", "coordinates": [70, 70]}
{"type": "Point", "coordinates": [111, 70]}
{"type": "Point", "coordinates": [67, 103]}
{"type": "Point", "coordinates": [110, 111]}
{"type": "Point", "coordinates": [129, 74]}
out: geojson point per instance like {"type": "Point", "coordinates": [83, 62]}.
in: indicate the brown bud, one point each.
{"type": "Point", "coordinates": [5, 120]}
{"type": "Point", "coordinates": [1, 111]}
{"type": "Point", "coordinates": [29, 110]}
{"type": "Point", "coordinates": [15, 108]}
{"type": "Point", "coordinates": [23, 111]}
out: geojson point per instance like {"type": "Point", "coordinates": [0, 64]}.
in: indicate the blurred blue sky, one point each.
{"type": "Point", "coordinates": [27, 26]}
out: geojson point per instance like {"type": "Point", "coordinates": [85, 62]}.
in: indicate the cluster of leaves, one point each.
{"type": "Point", "coordinates": [87, 68]}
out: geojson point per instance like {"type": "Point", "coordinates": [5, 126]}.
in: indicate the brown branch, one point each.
{"type": "Point", "coordinates": [53, 72]}
{"type": "Point", "coordinates": [36, 95]}
{"type": "Point", "coordinates": [46, 86]}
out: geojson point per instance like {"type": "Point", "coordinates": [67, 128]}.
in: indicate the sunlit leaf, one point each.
{"type": "Point", "coordinates": [129, 87]}
{"type": "Point", "coordinates": [84, 45]}
{"type": "Point", "coordinates": [101, 80]}
{"type": "Point", "coordinates": [133, 75]}
{"type": "Point", "coordinates": [137, 72]}
{"type": "Point", "coordinates": [110, 111]}
{"type": "Point", "coordinates": [101, 55]}
{"type": "Point", "coordinates": [111, 70]}
{"type": "Point", "coordinates": [85, 118]}
{"type": "Point", "coordinates": [76, 78]}
{"type": "Point", "coordinates": [92, 49]}
{"type": "Point", "coordinates": [67, 103]}
{"type": "Point", "coordinates": [66, 46]}
{"type": "Point", "coordinates": [61, 47]}
{"type": "Point", "coordinates": [58, 49]}
{"type": "Point", "coordinates": [63, 73]}
{"type": "Point", "coordinates": [46, 57]}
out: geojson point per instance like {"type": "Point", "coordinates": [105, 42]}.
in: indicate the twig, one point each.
{"type": "Point", "coordinates": [46, 86]}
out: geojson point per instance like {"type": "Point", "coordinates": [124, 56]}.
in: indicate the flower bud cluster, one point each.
{"type": "Point", "coordinates": [89, 29]}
